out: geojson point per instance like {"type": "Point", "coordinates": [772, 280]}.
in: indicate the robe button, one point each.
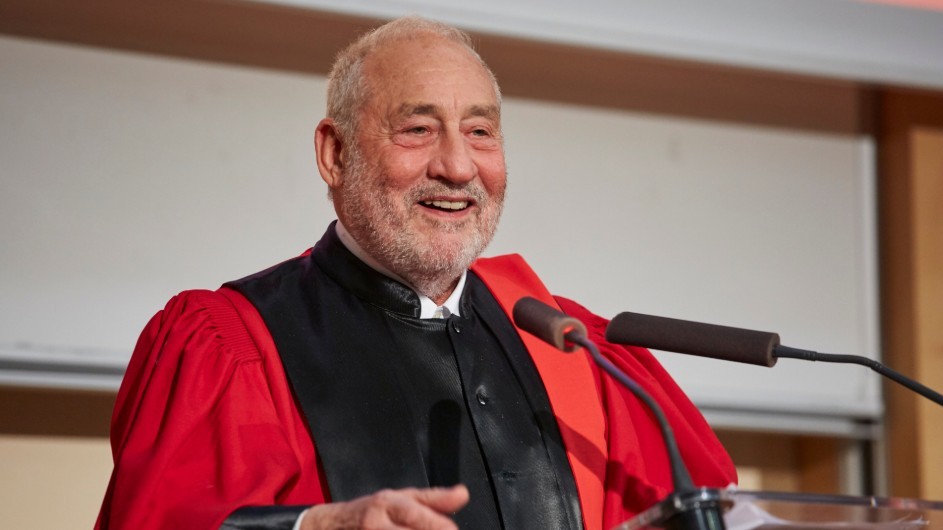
{"type": "Point", "coordinates": [482, 397]}
{"type": "Point", "coordinates": [508, 476]}
{"type": "Point", "coordinates": [455, 327]}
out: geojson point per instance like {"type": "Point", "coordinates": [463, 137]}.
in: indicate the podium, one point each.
{"type": "Point", "coordinates": [748, 510]}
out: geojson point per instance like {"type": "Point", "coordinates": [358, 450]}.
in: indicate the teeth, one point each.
{"type": "Point", "coordinates": [447, 205]}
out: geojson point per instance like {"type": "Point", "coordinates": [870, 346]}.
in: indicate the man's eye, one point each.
{"type": "Point", "coordinates": [418, 130]}
{"type": "Point", "coordinates": [484, 133]}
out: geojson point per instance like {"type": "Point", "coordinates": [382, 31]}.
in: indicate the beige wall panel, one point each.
{"type": "Point", "coordinates": [51, 483]}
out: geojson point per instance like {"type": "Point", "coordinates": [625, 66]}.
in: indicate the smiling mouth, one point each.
{"type": "Point", "coordinates": [446, 206]}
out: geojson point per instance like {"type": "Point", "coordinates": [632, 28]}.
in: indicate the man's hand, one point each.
{"type": "Point", "coordinates": [415, 509]}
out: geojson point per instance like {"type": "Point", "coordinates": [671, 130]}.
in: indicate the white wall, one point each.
{"type": "Point", "coordinates": [126, 178]}
{"type": "Point", "coordinates": [744, 226]}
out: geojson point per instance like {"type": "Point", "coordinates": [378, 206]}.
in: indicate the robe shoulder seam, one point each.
{"type": "Point", "coordinates": [217, 316]}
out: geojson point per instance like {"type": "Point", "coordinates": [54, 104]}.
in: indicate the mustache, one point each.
{"type": "Point", "coordinates": [472, 190]}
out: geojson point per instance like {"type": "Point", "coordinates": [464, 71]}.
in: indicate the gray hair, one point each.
{"type": "Point", "coordinates": [347, 89]}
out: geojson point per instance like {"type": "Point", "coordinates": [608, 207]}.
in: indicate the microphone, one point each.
{"type": "Point", "coordinates": [735, 344]}
{"type": "Point", "coordinates": [546, 323]}
{"type": "Point", "coordinates": [683, 336]}
{"type": "Point", "coordinates": [691, 512]}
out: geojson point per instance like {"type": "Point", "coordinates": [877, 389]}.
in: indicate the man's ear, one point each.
{"type": "Point", "coordinates": [328, 148]}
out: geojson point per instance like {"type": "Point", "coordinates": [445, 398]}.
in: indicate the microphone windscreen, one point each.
{"type": "Point", "coordinates": [694, 338]}
{"type": "Point", "coordinates": [546, 323]}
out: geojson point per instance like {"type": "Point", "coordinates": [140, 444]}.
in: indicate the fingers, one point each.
{"type": "Point", "coordinates": [412, 509]}
{"type": "Point", "coordinates": [430, 508]}
{"type": "Point", "coordinates": [444, 500]}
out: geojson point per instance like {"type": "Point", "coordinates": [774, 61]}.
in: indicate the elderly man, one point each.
{"type": "Point", "coordinates": [377, 381]}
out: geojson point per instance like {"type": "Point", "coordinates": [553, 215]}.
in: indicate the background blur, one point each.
{"type": "Point", "coordinates": [772, 165]}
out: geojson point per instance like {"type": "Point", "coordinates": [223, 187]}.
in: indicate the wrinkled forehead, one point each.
{"type": "Point", "coordinates": [415, 64]}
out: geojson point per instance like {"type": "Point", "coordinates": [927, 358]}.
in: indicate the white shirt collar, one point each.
{"type": "Point", "coordinates": [427, 308]}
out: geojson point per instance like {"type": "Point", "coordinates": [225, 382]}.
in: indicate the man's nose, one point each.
{"type": "Point", "coordinates": [453, 160]}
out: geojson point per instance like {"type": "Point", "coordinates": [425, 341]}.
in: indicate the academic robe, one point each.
{"type": "Point", "coordinates": [206, 422]}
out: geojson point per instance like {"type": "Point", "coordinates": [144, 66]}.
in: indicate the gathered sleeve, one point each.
{"type": "Point", "coordinates": [205, 422]}
{"type": "Point", "coordinates": [637, 474]}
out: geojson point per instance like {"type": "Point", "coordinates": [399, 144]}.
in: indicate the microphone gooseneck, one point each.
{"type": "Point", "coordinates": [689, 511]}
{"type": "Point", "coordinates": [786, 352]}
{"type": "Point", "coordinates": [680, 476]}
{"type": "Point", "coordinates": [735, 344]}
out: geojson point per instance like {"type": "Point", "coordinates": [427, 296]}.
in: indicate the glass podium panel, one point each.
{"type": "Point", "coordinates": [748, 510]}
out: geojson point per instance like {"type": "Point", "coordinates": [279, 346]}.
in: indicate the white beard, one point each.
{"type": "Point", "coordinates": [384, 229]}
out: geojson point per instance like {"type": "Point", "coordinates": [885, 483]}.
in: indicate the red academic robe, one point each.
{"type": "Point", "coordinates": [205, 421]}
